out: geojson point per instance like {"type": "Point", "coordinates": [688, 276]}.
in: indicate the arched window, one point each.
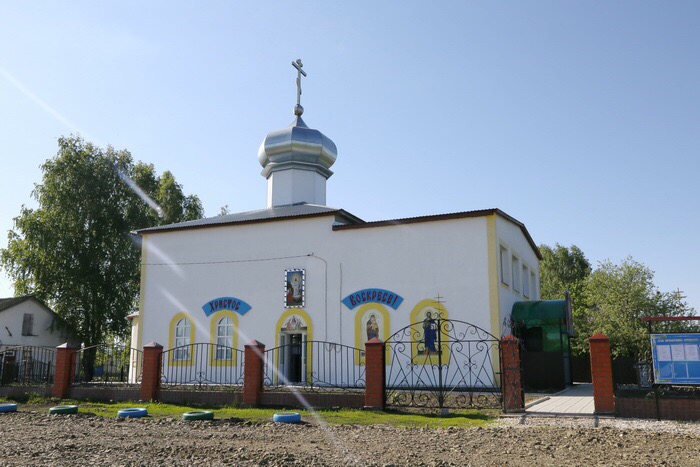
{"type": "Point", "coordinates": [182, 340]}
{"type": "Point", "coordinates": [224, 338]}
{"type": "Point", "coordinates": [180, 348]}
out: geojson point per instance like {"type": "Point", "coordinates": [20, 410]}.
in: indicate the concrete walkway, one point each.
{"type": "Point", "coordinates": [575, 401]}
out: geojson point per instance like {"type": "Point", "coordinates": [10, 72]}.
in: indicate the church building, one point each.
{"type": "Point", "coordinates": [299, 270]}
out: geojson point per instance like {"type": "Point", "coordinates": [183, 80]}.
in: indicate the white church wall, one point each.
{"type": "Point", "coordinates": [188, 268]}
{"type": "Point", "coordinates": [514, 289]}
{"type": "Point", "coordinates": [245, 261]}
{"type": "Point", "coordinates": [418, 262]}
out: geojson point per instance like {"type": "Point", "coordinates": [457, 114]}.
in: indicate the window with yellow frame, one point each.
{"type": "Point", "coordinates": [223, 335]}
{"type": "Point", "coordinates": [181, 352]}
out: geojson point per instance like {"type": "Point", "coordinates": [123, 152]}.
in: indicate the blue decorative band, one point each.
{"type": "Point", "coordinates": [382, 296]}
{"type": "Point", "coordinates": [226, 303]}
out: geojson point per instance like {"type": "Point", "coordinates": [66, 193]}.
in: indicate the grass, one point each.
{"type": "Point", "coordinates": [457, 419]}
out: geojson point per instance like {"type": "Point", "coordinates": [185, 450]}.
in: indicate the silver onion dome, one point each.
{"type": "Point", "coordinates": [297, 146]}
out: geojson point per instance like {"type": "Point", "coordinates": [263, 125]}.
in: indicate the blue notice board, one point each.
{"type": "Point", "coordinates": [676, 358]}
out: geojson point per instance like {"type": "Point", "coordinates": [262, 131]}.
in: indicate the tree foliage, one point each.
{"type": "Point", "coordinates": [563, 269]}
{"type": "Point", "coordinates": [620, 296]}
{"type": "Point", "coordinates": [225, 211]}
{"type": "Point", "coordinates": [611, 299]}
{"type": "Point", "coordinates": [75, 250]}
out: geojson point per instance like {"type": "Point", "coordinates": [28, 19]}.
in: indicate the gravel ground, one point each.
{"type": "Point", "coordinates": [34, 438]}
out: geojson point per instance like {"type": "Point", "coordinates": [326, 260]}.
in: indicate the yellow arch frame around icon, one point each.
{"type": "Point", "coordinates": [385, 333]}
{"type": "Point", "coordinates": [421, 359]}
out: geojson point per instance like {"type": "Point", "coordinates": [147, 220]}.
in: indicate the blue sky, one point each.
{"type": "Point", "coordinates": [580, 119]}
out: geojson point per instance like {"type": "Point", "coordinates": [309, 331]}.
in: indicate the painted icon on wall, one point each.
{"type": "Point", "coordinates": [370, 323]}
{"type": "Point", "coordinates": [294, 288]}
{"type": "Point", "coordinates": [429, 325]}
{"type": "Point", "coordinates": [431, 333]}
{"type": "Point", "coordinates": [372, 327]}
{"type": "Point", "coordinates": [430, 330]}
{"type": "Point", "coordinates": [294, 323]}
{"type": "Point", "coordinates": [371, 320]}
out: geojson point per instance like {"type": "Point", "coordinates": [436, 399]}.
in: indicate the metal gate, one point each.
{"type": "Point", "coordinates": [24, 364]}
{"type": "Point", "coordinates": [442, 363]}
{"type": "Point", "coordinates": [320, 366]}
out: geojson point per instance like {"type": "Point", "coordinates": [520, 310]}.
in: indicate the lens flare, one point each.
{"type": "Point", "coordinates": [349, 458]}
{"type": "Point", "coordinates": [139, 192]}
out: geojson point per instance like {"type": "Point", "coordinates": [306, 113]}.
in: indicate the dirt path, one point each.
{"type": "Point", "coordinates": [38, 439]}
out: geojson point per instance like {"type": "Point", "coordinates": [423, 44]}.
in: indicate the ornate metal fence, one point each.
{"type": "Point", "coordinates": [28, 365]}
{"type": "Point", "coordinates": [443, 363]}
{"type": "Point", "coordinates": [203, 366]}
{"type": "Point", "coordinates": [315, 366]}
{"type": "Point", "coordinates": [114, 365]}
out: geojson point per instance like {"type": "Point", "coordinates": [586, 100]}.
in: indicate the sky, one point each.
{"type": "Point", "coordinates": [581, 119]}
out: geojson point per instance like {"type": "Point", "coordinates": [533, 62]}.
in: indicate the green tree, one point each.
{"type": "Point", "coordinates": [612, 299]}
{"type": "Point", "coordinates": [620, 296]}
{"type": "Point", "coordinates": [567, 268]}
{"type": "Point", "coordinates": [673, 304]}
{"type": "Point", "coordinates": [75, 250]}
{"type": "Point", "coordinates": [225, 211]}
{"type": "Point", "coordinates": [561, 269]}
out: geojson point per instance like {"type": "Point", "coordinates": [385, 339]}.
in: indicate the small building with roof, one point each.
{"type": "Point", "coordinates": [27, 321]}
{"type": "Point", "coordinates": [299, 270]}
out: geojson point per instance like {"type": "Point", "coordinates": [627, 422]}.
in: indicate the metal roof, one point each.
{"type": "Point", "coordinates": [297, 145]}
{"type": "Point", "coordinates": [261, 215]}
{"type": "Point", "coordinates": [7, 303]}
{"type": "Point", "coordinates": [539, 310]}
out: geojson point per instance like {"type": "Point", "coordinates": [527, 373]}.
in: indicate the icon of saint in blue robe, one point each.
{"type": "Point", "coordinates": [430, 329]}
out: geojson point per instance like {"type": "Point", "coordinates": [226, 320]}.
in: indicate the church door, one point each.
{"type": "Point", "coordinates": [292, 357]}
{"type": "Point", "coordinates": [295, 361]}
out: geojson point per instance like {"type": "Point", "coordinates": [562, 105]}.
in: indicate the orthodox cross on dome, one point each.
{"type": "Point", "coordinates": [298, 110]}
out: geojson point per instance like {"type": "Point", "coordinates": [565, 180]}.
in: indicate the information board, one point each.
{"type": "Point", "coordinates": [676, 358]}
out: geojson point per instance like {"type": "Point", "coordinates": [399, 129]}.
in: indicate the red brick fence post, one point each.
{"type": "Point", "coordinates": [65, 370]}
{"type": "Point", "coordinates": [152, 365]}
{"type": "Point", "coordinates": [375, 374]}
{"type": "Point", "coordinates": [601, 373]}
{"type": "Point", "coordinates": [253, 373]}
{"type": "Point", "coordinates": [511, 379]}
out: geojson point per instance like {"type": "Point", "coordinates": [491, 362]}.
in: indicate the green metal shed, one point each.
{"type": "Point", "coordinates": [544, 327]}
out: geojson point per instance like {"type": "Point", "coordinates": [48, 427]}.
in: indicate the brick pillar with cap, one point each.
{"type": "Point", "coordinates": [511, 383]}
{"type": "Point", "coordinates": [152, 367]}
{"type": "Point", "coordinates": [65, 370]}
{"type": "Point", "coordinates": [253, 367]}
{"type": "Point", "coordinates": [601, 373]}
{"type": "Point", "coordinates": [375, 374]}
